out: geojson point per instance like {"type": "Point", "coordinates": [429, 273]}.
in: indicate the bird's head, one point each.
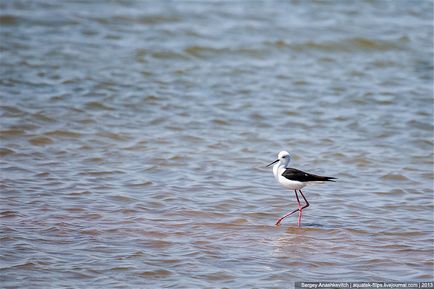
{"type": "Point", "coordinates": [282, 157]}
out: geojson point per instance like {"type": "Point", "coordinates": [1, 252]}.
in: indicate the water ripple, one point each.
{"type": "Point", "coordinates": [134, 143]}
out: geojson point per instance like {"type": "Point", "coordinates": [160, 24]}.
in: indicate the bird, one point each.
{"type": "Point", "coordinates": [294, 179]}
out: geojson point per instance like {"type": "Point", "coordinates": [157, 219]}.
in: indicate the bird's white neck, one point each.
{"type": "Point", "coordinates": [278, 167]}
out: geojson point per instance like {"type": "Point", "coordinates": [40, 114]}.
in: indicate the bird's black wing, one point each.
{"type": "Point", "coordinates": [297, 175]}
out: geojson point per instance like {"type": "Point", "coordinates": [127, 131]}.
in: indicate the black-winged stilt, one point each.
{"type": "Point", "coordinates": [295, 180]}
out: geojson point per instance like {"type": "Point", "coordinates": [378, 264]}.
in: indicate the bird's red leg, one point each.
{"type": "Point", "coordinates": [307, 203]}
{"type": "Point", "coordinates": [281, 219]}
{"type": "Point", "coordinates": [301, 208]}
{"type": "Point", "coordinates": [290, 213]}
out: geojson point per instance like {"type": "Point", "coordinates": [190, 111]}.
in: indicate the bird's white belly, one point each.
{"type": "Point", "coordinates": [293, 185]}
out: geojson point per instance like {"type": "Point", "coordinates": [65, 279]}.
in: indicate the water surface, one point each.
{"type": "Point", "coordinates": [135, 134]}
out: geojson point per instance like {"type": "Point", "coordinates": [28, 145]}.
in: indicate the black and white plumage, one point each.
{"type": "Point", "coordinates": [297, 175]}
{"type": "Point", "coordinates": [294, 179]}
{"type": "Point", "coordinates": [291, 178]}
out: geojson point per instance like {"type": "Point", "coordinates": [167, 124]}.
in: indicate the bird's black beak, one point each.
{"type": "Point", "coordinates": [272, 163]}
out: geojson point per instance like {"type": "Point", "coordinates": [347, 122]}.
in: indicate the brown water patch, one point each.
{"type": "Point", "coordinates": [92, 232]}
{"type": "Point", "coordinates": [140, 185]}
{"type": "Point", "coordinates": [199, 214]}
{"type": "Point", "coordinates": [80, 193]}
{"type": "Point", "coordinates": [349, 45]}
{"type": "Point", "coordinates": [5, 152]}
{"type": "Point", "coordinates": [394, 177]}
{"type": "Point", "coordinates": [63, 134]}
{"type": "Point", "coordinates": [208, 51]}
{"type": "Point", "coordinates": [114, 136]}
{"type": "Point", "coordinates": [11, 132]}
{"type": "Point", "coordinates": [42, 175]}
{"type": "Point", "coordinates": [373, 44]}
{"type": "Point", "coordinates": [161, 273]}
{"type": "Point", "coordinates": [74, 209]}
{"type": "Point", "coordinates": [93, 216]}
{"type": "Point", "coordinates": [8, 214]}
{"type": "Point", "coordinates": [151, 98]}
{"type": "Point", "coordinates": [167, 55]}
{"type": "Point", "coordinates": [8, 19]}
{"type": "Point", "coordinates": [100, 173]}
{"type": "Point", "coordinates": [170, 261]}
{"type": "Point", "coordinates": [94, 160]}
{"type": "Point", "coordinates": [392, 192]}
{"type": "Point", "coordinates": [43, 117]}
{"type": "Point", "coordinates": [123, 199]}
{"type": "Point", "coordinates": [27, 266]}
{"type": "Point", "coordinates": [155, 234]}
{"type": "Point", "coordinates": [280, 43]}
{"type": "Point", "coordinates": [218, 276]}
{"type": "Point", "coordinates": [406, 233]}
{"type": "Point", "coordinates": [129, 211]}
{"type": "Point", "coordinates": [40, 141]}
{"type": "Point", "coordinates": [220, 121]}
{"type": "Point", "coordinates": [239, 221]}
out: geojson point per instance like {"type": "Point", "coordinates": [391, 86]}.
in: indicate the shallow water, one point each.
{"type": "Point", "coordinates": [135, 134]}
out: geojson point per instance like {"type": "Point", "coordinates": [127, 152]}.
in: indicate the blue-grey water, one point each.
{"type": "Point", "coordinates": [135, 134]}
